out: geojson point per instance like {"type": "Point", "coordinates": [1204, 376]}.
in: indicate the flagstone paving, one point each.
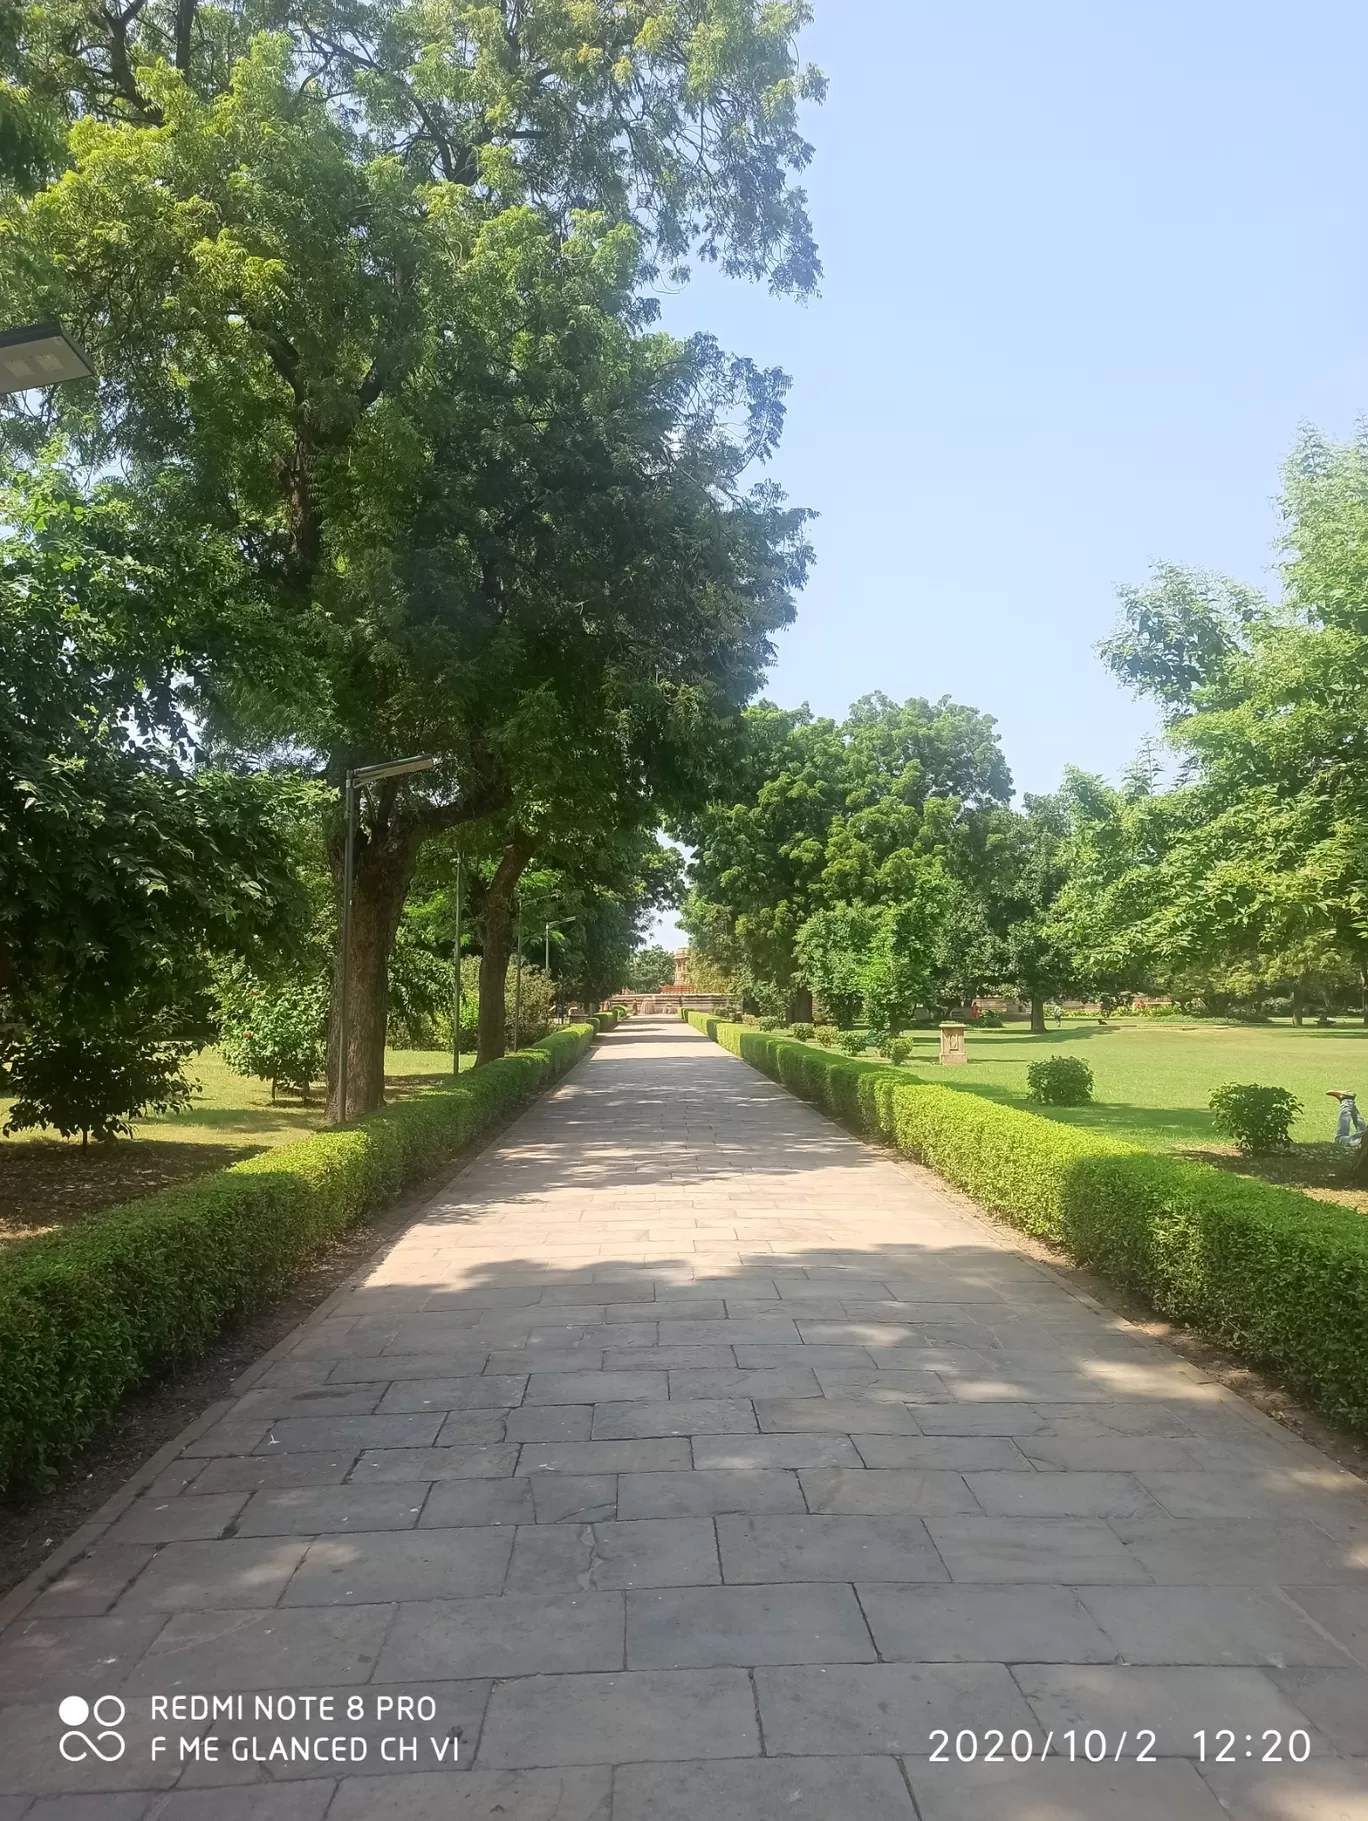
{"type": "Point", "coordinates": [687, 1459]}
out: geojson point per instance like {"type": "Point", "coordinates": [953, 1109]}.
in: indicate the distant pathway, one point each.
{"type": "Point", "coordinates": [689, 1460]}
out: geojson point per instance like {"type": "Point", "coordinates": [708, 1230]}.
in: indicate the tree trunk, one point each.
{"type": "Point", "coordinates": [185, 22]}
{"type": "Point", "coordinates": [800, 1006]}
{"type": "Point", "coordinates": [383, 871]}
{"type": "Point", "coordinates": [498, 945]}
{"type": "Point", "coordinates": [1037, 1014]}
{"type": "Point", "coordinates": [1363, 983]}
{"type": "Point", "coordinates": [1297, 1009]}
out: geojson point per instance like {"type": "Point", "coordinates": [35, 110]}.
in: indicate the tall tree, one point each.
{"type": "Point", "coordinates": [398, 378]}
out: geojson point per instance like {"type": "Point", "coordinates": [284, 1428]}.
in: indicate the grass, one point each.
{"type": "Point", "coordinates": [47, 1181]}
{"type": "Point", "coordinates": [1152, 1081]}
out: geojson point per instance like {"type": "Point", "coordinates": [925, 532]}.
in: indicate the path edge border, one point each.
{"type": "Point", "coordinates": [400, 1216]}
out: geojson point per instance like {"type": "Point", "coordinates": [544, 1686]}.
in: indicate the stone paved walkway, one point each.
{"type": "Point", "coordinates": [688, 1460]}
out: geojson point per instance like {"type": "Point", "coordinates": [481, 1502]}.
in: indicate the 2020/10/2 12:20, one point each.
{"type": "Point", "coordinates": [1095, 1747]}
{"type": "Point", "coordinates": [1227, 1748]}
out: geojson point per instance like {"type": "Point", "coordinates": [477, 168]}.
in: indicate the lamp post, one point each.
{"type": "Point", "coordinates": [551, 924]}
{"type": "Point", "coordinates": [456, 1009]}
{"type": "Point", "coordinates": [517, 981]}
{"type": "Point", "coordinates": [43, 354]}
{"type": "Point", "coordinates": [358, 775]}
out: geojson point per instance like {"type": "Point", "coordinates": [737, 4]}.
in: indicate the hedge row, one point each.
{"type": "Point", "coordinates": [1279, 1277]}
{"type": "Point", "coordinates": [88, 1314]}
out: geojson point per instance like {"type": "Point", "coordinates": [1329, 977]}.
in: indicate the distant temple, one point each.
{"type": "Point", "coordinates": [681, 993]}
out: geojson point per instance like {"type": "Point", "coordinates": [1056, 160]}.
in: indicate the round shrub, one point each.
{"type": "Point", "coordinates": [826, 1035]}
{"type": "Point", "coordinates": [898, 1050]}
{"type": "Point", "coordinates": [771, 1024]}
{"type": "Point", "coordinates": [851, 1042]}
{"type": "Point", "coordinates": [1062, 1081]}
{"type": "Point", "coordinates": [803, 1032]}
{"type": "Point", "coordinates": [1258, 1119]}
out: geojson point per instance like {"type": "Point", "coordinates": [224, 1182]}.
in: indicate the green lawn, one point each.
{"type": "Point", "coordinates": [47, 1181]}
{"type": "Point", "coordinates": [1152, 1082]}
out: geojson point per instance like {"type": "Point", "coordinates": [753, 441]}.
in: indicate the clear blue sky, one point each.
{"type": "Point", "coordinates": [1088, 267]}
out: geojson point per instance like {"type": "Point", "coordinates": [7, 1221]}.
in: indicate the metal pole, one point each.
{"type": "Point", "coordinates": [456, 1013]}
{"type": "Point", "coordinates": [348, 869]}
{"type": "Point", "coordinates": [517, 984]}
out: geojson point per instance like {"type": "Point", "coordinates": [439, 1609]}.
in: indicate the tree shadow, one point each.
{"type": "Point", "coordinates": [48, 1183]}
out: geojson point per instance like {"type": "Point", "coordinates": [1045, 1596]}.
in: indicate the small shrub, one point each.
{"type": "Point", "coordinates": [276, 1033]}
{"type": "Point", "coordinates": [803, 1032]}
{"type": "Point", "coordinates": [989, 1021]}
{"type": "Point", "coordinates": [898, 1051]}
{"type": "Point", "coordinates": [771, 1024]}
{"type": "Point", "coordinates": [94, 1079]}
{"type": "Point", "coordinates": [1258, 1119]}
{"type": "Point", "coordinates": [1062, 1081]}
{"type": "Point", "coordinates": [851, 1042]}
{"type": "Point", "coordinates": [826, 1034]}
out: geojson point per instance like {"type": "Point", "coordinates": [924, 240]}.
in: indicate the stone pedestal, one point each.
{"type": "Point", "coordinates": [952, 1043]}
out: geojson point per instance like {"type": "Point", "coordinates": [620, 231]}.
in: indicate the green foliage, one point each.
{"type": "Point", "coordinates": [94, 1076]}
{"type": "Point", "coordinates": [771, 1024]}
{"type": "Point", "coordinates": [1278, 1277]}
{"type": "Point", "coordinates": [273, 1030]}
{"type": "Point", "coordinates": [650, 969]}
{"type": "Point", "coordinates": [400, 407]}
{"type": "Point", "coordinates": [88, 1314]}
{"type": "Point", "coordinates": [852, 1042]}
{"type": "Point", "coordinates": [826, 859]}
{"type": "Point", "coordinates": [122, 868]}
{"type": "Point", "coordinates": [897, 1050]}
{"type": "Point", "coordinates": [826, 1035]}
{"type": "Point", "coordinates": [802, 1032]}
{"type": "Point", "coordinates": [1060, 1081]}
{"type": "Point", "coordinates": [1259, 1119]}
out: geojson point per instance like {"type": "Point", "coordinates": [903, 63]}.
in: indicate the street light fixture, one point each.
{"type": "Point", "coordinates": [456, 1007]}
{"type": "Point", "coordinates": [40, 355]}
{"type": "Point", "coordinates": [357, 776]}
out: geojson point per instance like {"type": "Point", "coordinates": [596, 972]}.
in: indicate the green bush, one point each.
{"type": "Point", "coordinates": [88, 1314]}
{"type": "Point", "coordinates": [802, 1032]}
{"type": "Point", "coordinates": [1278, 1277]}
{"type": "Point", "coordinates": [1258, 1119]}
{"type": "Point", "coordinates": [771, 1024]}
{"type": "Point", "coordinates": [1062, 1081]}
{"type": "Point", "coordinates": [826, 1035]}
{"type": "Point", "coordinates": [94, 1076]}
{"type": "Point", "coordinates": [275, 1032]}
{"type": "Point", "coordinates": [852, 1043]}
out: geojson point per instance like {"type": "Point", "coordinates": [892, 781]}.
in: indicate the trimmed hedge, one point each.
{"type": "Point", "coordinates": [1277, 1276]}
{"type": "Point", "coordinates": [88, 1314]}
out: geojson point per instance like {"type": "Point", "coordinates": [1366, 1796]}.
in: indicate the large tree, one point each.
{"type": "Point", "coordinates": [827, 858]}
{"type": "Point", "coordinates": [359, 333]}
{"type": "Point", "coordinates": [1256, 863]}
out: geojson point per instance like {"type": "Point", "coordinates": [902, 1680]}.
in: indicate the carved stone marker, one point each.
{"type": "Point", "coordinates": [952, 1043]}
